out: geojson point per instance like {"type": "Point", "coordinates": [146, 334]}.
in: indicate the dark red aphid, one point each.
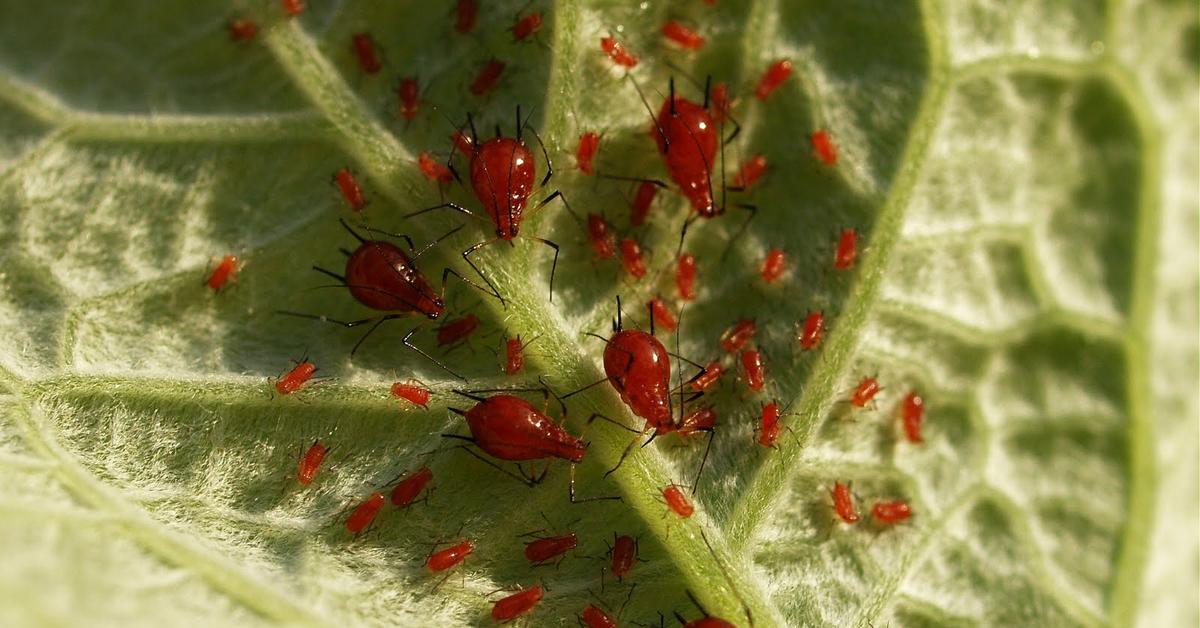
{"type": "Point", "coordinates": [694, 422]}
{"type": "Point", "coordinates": [364, 49]}
{"type": "Point", "coordinates": [823, 147]}
{"type": "Point", "coordinates": [688, 141]}
{"type": "Point", "coordinates": [682, 36]}
{"type": "Point", "coordinates": [663, 316]}
{"type": "Point", "coordinates": [847, 250]}
{"type": "Point", "coordinates": [412, 392]}
{"type": "Point", "coordinates": [542, 551]}
{"type": "Point", "coordinates": [752, 367]}
{"type": "Point", "coordinates": [891, 512]}
{"type": "Point", "coordinates": [738, 334]}
{"type": "Point", "coordinates": [638, 367]}
{"type": "Point", "coordinates": [811, 330]}
{"type": "Point", "coordinates": [433, 169]}
{"type": "Point", "coordinates": [457, 330]}
{"type": "Point", "coordinates": [310, 463]}
{"type": "Point", "coordinates": [769, 427]}
{"type": "Point", "coordinates": [631, 257]}
{"type": "Point", "coordinates": [296, 378]}
{"type": "Point", "coordinates": [594, 617]}
{"type": "Point", "coordinates": [712, 373]}
{"type": "Point", "coordinates": [450, 557]}
{"type": "Point", "coordinates": [843, 503]}
{"type": "Point", "coordinates": [466, 14]}
{"type": "Point", "coordinates": [623, 555]}
{"type": "Point", "coordinates": [685, 277]}
{"type": "Point", "coordinates": [409, 92]}
{"type": "Point", "coordinates": [463, 143]}
{"type": "Point", "coordinates": [775, 75]}
{"type": "Point", "coordinates": [487, 77]}
{"type": "Point", "coordinates": [406, 492]}
{"type": "Point", "coordinates": [617, 52]}
{"type": "Point", "coordinates": [600, 236]}
{"type": "Point", "coordinates": [721, 105]}
{"type": "Point", "coordinates": [242, 30]}
{"type": "Point", "coordinates": [514, 356]}
{"type": "Point", "coordinates": [865, 392]}
{"type": "Point", "coordinates": [364, 514]}
{"type": "Point", "coordinates": [510, 428]}
{"type": "Point", "coordinates": [750, 172]}
{"type": "Point", "coordinates": [293, 7]}
{"type": "Point", "coordinates": [350, 190]}
{"type": "Point", "coordinates": [912, 414]}
{"type": "Point", "coordinates": [527, 26]}
{"type": "Point", "coordinates": [642, 200]}
{"type": "Point", "coordinates": [226, 269]}
{"type": "Point", "coordinates": [678, 502]}
{"type": "Point", "coordinates": [518, 603]}
{"type": "Point", "coordinates": [774, 266]}
{"type": "Point", "coordinates": [589, 143]}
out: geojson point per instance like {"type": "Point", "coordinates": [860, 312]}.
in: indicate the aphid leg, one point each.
{"type": "Point", "coordinates": [467, 448]}
{"type": "Point", "coordinates": [597, 415]}
{"type": "Point", "coordinates": [554, 264]}
{"type": "Point", "coordinates": [466, 255]}
{"type": "Point", "coordinates": [707, 448]}
{"type": "Point", "coordinates": [687, 223]}
{"type": "Point", "coordinates": [752, 213]}
{"type": "Point", "coordinates": [545, 153]}
{"type": "Point", "coordinates": [628, 450]}
{"type": "Point", "coordinates": [574, 500]}
{"type": "Point", "coordinates": [377, 320]}
{"type": "Point", "coordinates": [408, 343]}
{"type": "Point", "coordinates": [447, 205]}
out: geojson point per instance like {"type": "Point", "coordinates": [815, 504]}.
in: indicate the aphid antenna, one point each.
{"type": "Point", "coordinates": [751, 215]}
{"type": "Point", "coordinates": [645, 103]}
{"type": "Point", "coordinates": [728, 580]}
{"type": "Point", "coordinates": [617, 177]}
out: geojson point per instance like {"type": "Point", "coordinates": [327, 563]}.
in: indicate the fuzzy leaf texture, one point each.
{"type": "Point", "coordinates": [1022, 177]}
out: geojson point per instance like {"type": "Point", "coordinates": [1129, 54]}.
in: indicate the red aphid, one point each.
{"type": "Point", "coordinates": [631, 257]}
{"type": "Point", "coordinates": [364, 514]}
{"type": "Point", "coordinates": [293, 7]}
{"type": "Point", "coordinates": [310, 463]}
{"type": "Point", "coordinates": [694, 422]}
{"type": "Point", "coordinates": [409, 92]}
{"type": "Point", "coordinates": [411, 392]}
{"type": "Point", "coordinates": [912, 414]}
{"type": "Point", "coordinates": [662, 316]}
{"type": "Point", "coordinates": [589, 143]}
{"type": "Point", "coordinates": [678, 502]}
{"type": "Point", "coordinates": [242, 30]}
{"type": "Point", "coordinates": [843, 503]}
{"type": "Point", "coordinates": [527, 26]}
{"type": "Point", "coordinates": [720, 106]}
{"type": "Point", "coordinates": [457, 330]}
{"type": "Point", "coordinates": [364, 49]}
{"type": "Point", "coordinates": [406, 492]}
{"type": "Point", "coordinates": [769, 427]}
{"type": "Point", "coordinates": [226, 269]}
{"type": "Point", "coordinates": [514, 356]}
{"type": "Point", "coordinates": [450, 557]}
{"type": "Point", "coordinates": [510, 428]}
{"type": "Point", "coordinates": [542, 551]}
{"type": "Point", "coordinates": [623, 555]}
{"type": "Point", "coordinates": [865, 392]}
{"type": "Point", "coordinates": [682, 36]}
{"type": "Point", "coordinates": [350, 190]}
{"type": "Point", "coordinates": [383, 277]}
{"type": "Point", "coordinates": [750, 172]}
{"type": "Point", "coordinates": [433, 169]}
{"type": "Point", "coordinates": [296, 378]}
{"type": "Point", "coordinates": [775, 75]}
{"type": "Point", "coordinates": [738, 334]}
{"type": "Point", "coordinates": [518, 603]}
{"type": "Point", "coordinates": [617, 52]}
{"type": "Point", "coordinates": [774, 266]}
{"type": "Point", "coordinates": [463, 143]}
{"type": "Point", "coordinates": [752, 367]}
{"type": "Point", "coordinates": [891, 512]}
{"type": "Point", "coordinates": [639, 369]}
{"type": "Point", "coordinates": [487, 77]}
{"type": "Point", "coordinates": [603, 242]}
{"type": "Point", "coordinates": [812, 330]}
{"type": "Point", "coordinates": [823, 147]}
{"type": "Point", "coordinates": [466, 14]}
{"type": "Point", "coordinates": [712, 373]}
{"type": "Point", "coordinates": [504, 198]}
{"type": "Point", "coordinates": [594, 617]}
{"type": "Point", "coordinates": [685, 277]}
{"type": "Point", "coordinates": [692, 137]}
{"type": "Point", "coordinates": [847, 250]}
{"type": "Point", "coordinates": [642, 200]}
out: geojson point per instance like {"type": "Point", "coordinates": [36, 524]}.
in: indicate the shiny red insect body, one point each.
{"type": "Point", "coordinates": [912, 414]}
{"type": "Point", "coordinates": [364, 514]}
{"type": "Point", "coordinates": [694, 422]}
{"type": "Point", "coordinates": [226, 269]}
{"type": "Point", "coordinates": [293, 7]}
{"type": "Point", "coordinates": [639, 368]}
{"type": "Point", "coordinates": [406, 492]}
{"type": "Point", "coordinates": [450, 557]}
{"type": "Point", "coordinates": [600, 236]}
{"type": "Point", "coordinates": [487, 78]}
{"type": "Point", "coordinates": [823, 147]}
{"type": "Point", "coordinates": [457, 330]}
{"type": "Point", "coordinates": [502, 178]}
{"type": "Point", "coordinates": [412, 392]}
{"type": "Point", "coordinates": [642, 200]}
{"type": "Point", "coordinates": [383, 277]}
{"type": "Point", "coordinates": [769, 427]}
{"type": "Point", "coordinates": [738, 334]}
{"type": "Point", "coordinates": [812, 330]}
{"type": "Point", "coordinates": [843, 503]}
{"type": "Point", "coordinates": [662, 316]}
{"type": "Point", "coordinates": [720, 105]}
{"type": "Point", "coordinates": [685, 277]}
{"type": "Point", "coordinates": [296, 378]}
{"type": "Point", "coordinates": [617, 52]}
{"type": "Point", "coordinates": [750, 172]}
{"type": "Point", "coordinates": [527, 26]}
{"type": "Point", "coordinates": [712, 373]}
{"type": "Point", "coordinates": [463, 143]}
{"type": "Point", "coordinates": [594, 617]}
{"type": "Point", "coordinates": [510, 428]}
{"type": "Point", "coordinates": [891, 512]}
{"type": "Point", "coordinates": [350, 190]}
{"type": "Point", "coordinates": [623, 555]}
{"type": "Point", "coordinates": [631, 258]}
{"type": "Point", "coordinates": [682, 36]}
{"type": "Point", "coordinates": [774, 266]}
{"type": "Point", "coordinates": [433, 169]}
{"type": "Point", "coordinates": [753, 369]}
{"type": "Point", "coordinates": [409, 92]}
{"type": "Point", "coordinates": [310, 463]}
{"type": "Point", "coordinates": [775, 75]}
{"type": "Point", "coordinates": [688, 141]}
{"type": "Point", "coordinates": [678, 502]}
{"type": "Point", "coordinates": [847, 250]}
{"type": "Point", "coordinates": [518, 603]}
{"type": "Point", "coordinates": [589, 143]}
{"type": "Point", "coordinates": [865, 392]}
{"type": "Point", "coordinates": [514, 356]}
{"type": "Point", "coordinates": [368, 56]}
{"type": "Point", "coordinates": [542, 551]}
{"type": "Point", "coordinates": [242, 30]}
{"type": "Point", "coordinates": [466, 14]}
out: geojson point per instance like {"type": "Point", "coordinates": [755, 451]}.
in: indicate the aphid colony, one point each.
{"type": "Point", "coordinates": [384, 275]}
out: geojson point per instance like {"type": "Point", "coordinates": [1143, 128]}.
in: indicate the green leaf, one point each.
{"type": "Point", "coordinates": [1022, 177]}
